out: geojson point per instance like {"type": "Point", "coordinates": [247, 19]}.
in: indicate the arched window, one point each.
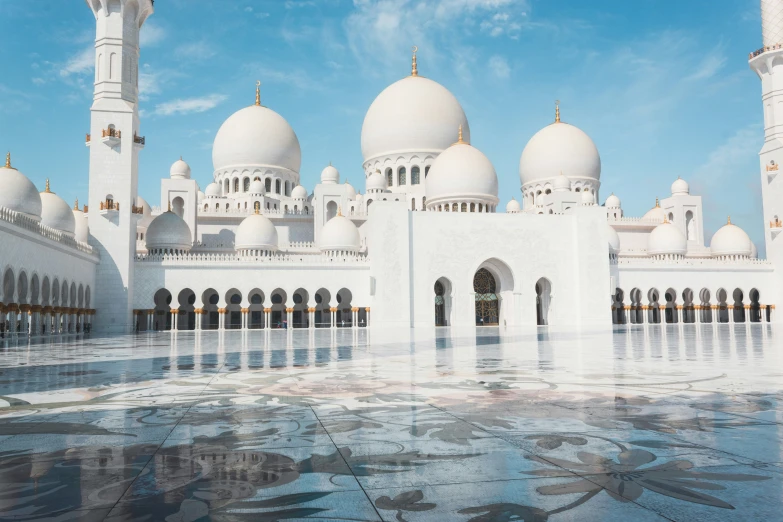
{"type": "Point", "coordinates": [481, 207]}
{"type": "Point", "coordinates": [671, 217]}
{"type": "Point", "coordinates": [226, 206]}
{"type": "Point", "coordinates": [287, 188]}
{"type": "Point", "coordinates": [245, 184]}
{"type": "Point", "coordinates": [206, 205]}
{"type": "Point", "coordinates": [268, 184]}
{"type": "Point", "coordinates": [389, 178]}
{"type": "Point", "coordinates": [415, 176]}
{"type": "Point", "coordinates": [236, 184]}
{"type": "Point", "coordinates": [690, 228]}
{"type": "Point", "coordinates": [454, 207]}
{"type": "Point", "coordinates": [227, 186]}
{"type": "Point", "coordinates": [487, 305]}
{"type": "Point", "coordinates": [277, 186]}
{"type": "Point", "coordinates": [285, 209]}
{"type": "Point", "coordinates": [472, 207]}
{"type": "Point", "coordinates": [401, 177]}
{"type": "Point", "coordinates": [217, 206]}
{"type": "Point", "coordinates": [463, 207]}
{"type": "Point", "coordinates": [424, 203]}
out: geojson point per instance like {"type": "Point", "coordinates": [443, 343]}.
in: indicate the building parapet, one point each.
{"type": "Point", "coordinates": [278, 258]}
{"type": "Point", "coordinates": [633, 221]}
{"type": "Point", "coordinates": [27, 223]}
{"type": "Point", "coordinates": [710, 262]}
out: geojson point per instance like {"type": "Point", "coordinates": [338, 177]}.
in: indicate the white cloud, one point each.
{"type": "Point", "coordinates": [149, 84]}
{"type": "Point", "coordinates": [195, 51]}
{"type": "Point", "coordinates": [190, 105]}
{"type": "Point", "coordinates": [81, 63]}
{"type": "Point", "coordinates": [499, 67]}
{"type": "Point", "coordinates": [151, 35]}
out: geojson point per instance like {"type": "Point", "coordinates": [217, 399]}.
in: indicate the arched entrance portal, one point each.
{"type": "Point", "coordinates": [442, 302]}
{"type": "Point", "coordinates": [543, 299]}
{"type": "Point", "coordinates": [487, 302]}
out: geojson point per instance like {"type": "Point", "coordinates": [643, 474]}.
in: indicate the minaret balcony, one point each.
{"type": "Point", "coordinates": [111, 136]}
{"type": "Point", "coordinates": [139, 141]}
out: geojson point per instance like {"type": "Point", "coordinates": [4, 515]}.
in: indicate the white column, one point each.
{"type": "Point", "coordinates": [199, 317]}
{"type": "Point", "coordinates": [150, 316]}
{"type": "Point", "coordinates": [267, 318]}
{"type": "Point", "coordinates": [697, 310]}
{"type": "Point", "coordinates": [311, 318]}
{"type": "Point", "coordinates": [174, 319]}
{"type": "Point", "coordinates": [333, 317]}
{"type": "Point", "coordinates": [221, 319]}
{"type": "Point", "coordinates": [731, 313]}
{"type": "Point", "coordinates": [368, 316]}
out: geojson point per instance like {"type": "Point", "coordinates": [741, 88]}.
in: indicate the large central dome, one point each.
{"type": "Point", "coordinates": [412, 115]}
{"type": "Point", "coordinates": [256, 136]}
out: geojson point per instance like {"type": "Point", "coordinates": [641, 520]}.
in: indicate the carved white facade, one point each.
{"type": "Point", "coordinates": [422, 245]}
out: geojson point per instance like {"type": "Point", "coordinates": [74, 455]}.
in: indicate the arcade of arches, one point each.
{"type": "Point", "coordinates": [490, 283]}
{"type": "Point", "coordinates": [672, 307]}
{"type": "Point", "coordinates": [254, 310]}
{"type": "Point", "coordinates": [43, 305]}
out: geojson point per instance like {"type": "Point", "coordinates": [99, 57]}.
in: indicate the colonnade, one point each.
{"type": "Point", "coordinates": [35, 320]}
{"type": "Point", "coordinates": [699, 315]}
{"type": "Point", "coordinates": [148, 316]}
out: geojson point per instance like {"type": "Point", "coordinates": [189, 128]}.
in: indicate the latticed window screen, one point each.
{"type": "Point", "coordinates": [487, 304]}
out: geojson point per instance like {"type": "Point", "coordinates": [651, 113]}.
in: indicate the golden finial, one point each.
{"type": "Point", "coordinates": [557, 111]}
{"type": "Point", "coordinates": [340, 210]}
{"type": "Point", "coordinates": [169, 210]}
{"type": "Point", "coordinates": [8, 161]}
{"type": "Point", "coordinates": [665, 220]}
{"type": "Point", "coordinates": [76, 204]}
{"type": "Point", "coordinates": [657, 203]}
{"type": "Point", "coordinates": [414, 66]}
{"type": "Point", "coordinates": [459, 136]}
{"type": "Point", "coordinates": [47, 186]}
{"type": "Point", "coordinates": [728, 221]}
{"type": "Point", "coordinates": [258, 93]}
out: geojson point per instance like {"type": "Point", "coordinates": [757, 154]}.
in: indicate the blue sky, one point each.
{"type": "Point", "coordinates": [662, 87]}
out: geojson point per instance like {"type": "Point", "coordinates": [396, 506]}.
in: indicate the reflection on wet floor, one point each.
{"type": "Point", "coordinates": [656, 422]}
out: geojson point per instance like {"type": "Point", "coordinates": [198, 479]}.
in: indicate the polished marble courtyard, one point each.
{"type": "Point", "coordinates": [675, 422]}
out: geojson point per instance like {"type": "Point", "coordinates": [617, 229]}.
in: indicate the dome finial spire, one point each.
{"type": "Point", "coordinates": [728, 220]}
{"type": "Point", "coordinates": [414, 65]}
{"type": "Point", "coordinates": [47, 186]}
{"type": "Point", "coordinates": [657, 203]}
{"type": "Point", "coordinates": [340, 210]}
{"type": "Point", "coordinates": [258, 93]}
{"type": "Point", "coordinates": [557, 111]}
{"type": "Point", "coordinates": [76, 204]}
{"type": "Point", "coordinates": [8, 160]}
{"type": "Point", "coordinates": [169, 210]}
{"type": "Point", "coordinates": [459, 138]}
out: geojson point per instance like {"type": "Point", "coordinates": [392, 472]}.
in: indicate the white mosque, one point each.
{"type": "Point", "coordinates": [422, 244]}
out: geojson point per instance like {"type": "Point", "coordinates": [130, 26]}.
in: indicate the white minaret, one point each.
{"type": "Point", "coordinates": [114, 144]}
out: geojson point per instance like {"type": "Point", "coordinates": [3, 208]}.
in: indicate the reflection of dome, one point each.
{"type": "Point", "coordinates": [256, 136]}
{"type": "Point", "coordinates": [213, 190]}
{"type": "Point", "coordinates": [376, 181]}
{"type": "Point", "coordinates": [557, 148]}
{"type": "Point", "coordinates": [561, 183]}
{"type": "Point", "coordinates": [330, 175]}
{"type": "Point", "coordinates": [612, 201]}
{"type": "Point", "coordinates": [339, 234]}
{"type": "Point", "coordinates": [180, 170]}
{"type": "Point", "coordinates": [82, 229]}
{"type": "Point", "coordinates": [614, 239]}
{"type": "Point", "coordinates": [17, 192]}
{"type": "Point", "coordinates": [256, 232]}
{"type": "Point", "coordinates": [256, 187]}
{"type": "Point", "coordinates": [461, 172]}
{"type": "Point", "coordinates": [731, 240]}
{"type": "Point", "coordinates": [655, 214]}
{"type": "Point", "coordinates": [168, 231]}
{"type": "Point", "coordinates": [56, 213]}
{"type": "Point", "coordinates": [412, 115]}
{"type": "Point", "coordinates": [666, 239]}
{"type": "Point", "coordinates": [299, 192]}
{"type": "Point", "coordinates": [512, 207]}
{"type": "Point", "coordinates": [680, 187]}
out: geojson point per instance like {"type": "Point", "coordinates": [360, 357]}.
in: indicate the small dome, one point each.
{"type": "Point", "coordinates": [587, 198]}
{"type": "Point", "coordinates": [56, 213]}
{"type": "Point", "coordinates": [561, 183]}
{"type": "Point", "coordinates": [387, 127]}
{"type": "Point", "coordinates": [299, 192]}
{"type": "Point", "coordinates": [359, 198]}
{"type": "Point", "coordinates": [655, 214]}
{"type": "Point", "coordinates": [330, 175]}
{"type": "Point", "coordinates": [17, 192]}
{"type": "Point", "coordinates": [376, 181]}
{"type": "Point", "coordinates": [754, 252]}
{"type": "Point", "coordinates": [614, 239]}
{"type": "Point", "coordinates": [82, 229]}
{"type": "Point", "coordinates": [256, 187]}
{"type": "Point", "coordinates": [213, 190]}
{"type": "Point", "coordinates": [461, 172]}
{"type": "Point", "coordinates": [256, 136]}
{"type": "Point", "coordinates": [731, 240]}
{"type": "Point", "coordinates": [340, 234]}
{"type": "Point", "coordinates": [350, 192]}
{"type": "Point", "coordinates": [557, 148]}
{"type": "Point", "coordinates": [256, 232]}
{"type": "Point", "coordinates": [666, 239]}
{"type": "Point", "coordinates": [512, 207]}
{"type": "Point", "coordinates": [680, 188]}
{"type": "Point", "coordinates": [612, 201]}
{"type": "Point", "coordinates": [168, 231]}
{"type": "Point", "coordinates": [180, 170]}
{"type": "Point", "coordinates": [146, 212]}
